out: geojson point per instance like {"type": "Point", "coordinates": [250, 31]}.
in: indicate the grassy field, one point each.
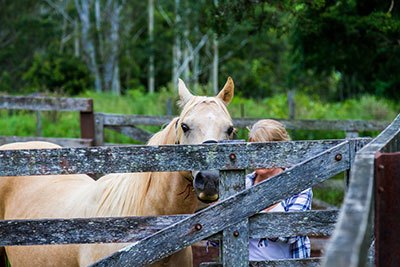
{"type": "Point", "coordinates": [66, 124]}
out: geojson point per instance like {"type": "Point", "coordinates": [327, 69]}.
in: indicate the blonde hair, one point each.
{"type": "Point", "coordinates": [268, 130]}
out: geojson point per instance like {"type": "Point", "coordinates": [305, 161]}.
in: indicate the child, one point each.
{"type": "Point", "coordinates": [281, 247]}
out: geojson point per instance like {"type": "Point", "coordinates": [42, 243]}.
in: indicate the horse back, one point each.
{"type": "Point", "coordinates": [28, 145]}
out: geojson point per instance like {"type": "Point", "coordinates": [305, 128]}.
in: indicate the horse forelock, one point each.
{"type": "Point", "coordinates": [198, 100]}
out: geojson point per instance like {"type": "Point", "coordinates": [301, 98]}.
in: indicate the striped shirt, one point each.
{"type": "Point", "coordinates": [299, 246]}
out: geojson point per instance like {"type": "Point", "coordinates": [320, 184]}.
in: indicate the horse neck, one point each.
{"type": "Point", "coordinates": [169, 193]}
{"type": "Point", "coordinates": [152, 193]}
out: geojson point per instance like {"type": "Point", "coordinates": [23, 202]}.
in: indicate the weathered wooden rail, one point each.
{"type": "Point", "coordinates": [375, 178]}
{"type": "Point", "coordinates": [129, 125]}
{"type": "Point", "coordinates": [93, 124]}
{"type": "Point", "coordinates": [82, 105]}
{"type": "Point", "coordinates": [308, 163]}
{"type": "Point", "coordinates": [169, 234]}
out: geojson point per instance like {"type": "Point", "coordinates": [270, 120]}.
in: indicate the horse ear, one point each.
{"type": "Point", "coordinates": [184, 93]}
{"type": "Point", "coordinates": [226, 94]}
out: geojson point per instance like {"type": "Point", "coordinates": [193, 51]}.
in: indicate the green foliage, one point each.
{"type": "Point", "coordinates": [358, 39]}
{"type": "Point", "coordinates": [334, 49]}
{"type": "Point", "coordinates": [57, 73]}
{"type": "Point", "coordinates": [332, 196]}
{"type": "Point", "coordinates": [26, 27]}
{"type": "Point", "coordinates": [5, 82]}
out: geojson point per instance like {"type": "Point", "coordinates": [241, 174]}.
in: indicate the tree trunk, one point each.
{"type": "Point", "coordinates": [215, 64]}
{"type": "Point", "coordinates": [151, 42]}
{"type": "Point", "coordinates": [111, 71]}
{"type": "Point", "coordinates": [77, 51]}
{"type": "Point", "coordinates": [83, 10]}
{"type": "Point", "coordinates": [176, 51]}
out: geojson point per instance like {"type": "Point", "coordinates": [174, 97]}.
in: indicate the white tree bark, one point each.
{"type": "Point", "coordinates": [215, 64]}
{"type": "Point", "coordinates": [82, 6]}
{"type": "Point", "coordinates": [98, 23]}
{"type": "Point", "coordinates": [185, 68]}
{"type": "Point", "coordinates": [111, 71]}
{"type": "Point", "coordinates": [176, 50]}
{"type": "Point", "coordinates": [151, 41]}
{"type": "Point", "coordinates": [77, 48]}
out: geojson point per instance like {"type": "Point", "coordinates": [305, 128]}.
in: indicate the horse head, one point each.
{"type": "Point", "coordinates": [205, 120]}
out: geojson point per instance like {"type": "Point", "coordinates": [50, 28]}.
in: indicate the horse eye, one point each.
{"type": "Point", "coordinates": [230, 130]}
{"type": "Point", "coordinates": [184, 127]}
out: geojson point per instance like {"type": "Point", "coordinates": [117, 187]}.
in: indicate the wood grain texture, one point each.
{"type": "Point", "coordinates": [235, 239]}
{"type": "Point", "coordinates": [231, 210]}
{"type": "Point", "coordinates": [330, 125]}
{"type": "Point", "coordinates": [46, 103]}
{"type": "Point", "coordinates": [311, 262]}
{"type": "Point", "coordinates": [351, 239]}
{"type": "Point", "coordinates": [123, 159]}
{"type": "Point", "coordinates": [88, 230]}
{"type": "Point", "coordinates": [130, 229]}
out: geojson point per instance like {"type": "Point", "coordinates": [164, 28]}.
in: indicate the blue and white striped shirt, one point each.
{"type": "Point", "coordinates": [299, 246]}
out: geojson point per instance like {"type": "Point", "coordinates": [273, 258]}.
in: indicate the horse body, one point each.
{"type": "Point", "coordinates": [131, 194]}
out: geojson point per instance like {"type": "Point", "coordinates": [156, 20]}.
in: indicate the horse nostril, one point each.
{"type": "Point", "coordinates": [210, 142]}
{"type": "Point", "coordinates": [199, 181]}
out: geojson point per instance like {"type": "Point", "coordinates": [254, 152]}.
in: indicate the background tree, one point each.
{"type": "Point", "coordinates": [360, 40]}
{"type": "Point", "coordinates": [331, 49]}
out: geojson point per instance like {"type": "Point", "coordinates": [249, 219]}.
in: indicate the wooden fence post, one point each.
{"type": "Point", "coordinates": [387, 209]}
{"type": "Point", "coordinates": [87, 123]}
{"type": "Point", "coordinates": [235, 239]}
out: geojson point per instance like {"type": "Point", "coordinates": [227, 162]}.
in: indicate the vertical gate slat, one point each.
{"type": "Point", "coordinates": [235, 239]}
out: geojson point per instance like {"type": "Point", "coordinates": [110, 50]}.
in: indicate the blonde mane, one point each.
{"type": "Point", "coordinates": [166, 136]}
{"type": "Point", "coordinates": [119, 189]}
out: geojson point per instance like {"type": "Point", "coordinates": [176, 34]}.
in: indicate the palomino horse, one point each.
{"type": "Point", "coordinates": [203, 119]}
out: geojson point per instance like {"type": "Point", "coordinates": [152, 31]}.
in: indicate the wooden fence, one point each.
{"type": "Point", "coordinates": [374, 189]}
{"type": "Point", "coordinates": [130, 125]}
{"type": "Point", "coordinates": [228, 220]}
{"type": "Point", "coordinates": [37, 104]}
{"type": "Point", "coordinates": [234, 219]}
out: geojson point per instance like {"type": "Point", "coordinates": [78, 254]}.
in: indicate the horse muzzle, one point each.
{"type": "Point", "coordinates": [206, 184]}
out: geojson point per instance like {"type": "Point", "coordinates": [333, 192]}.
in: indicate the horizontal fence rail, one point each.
{"type": "Point", "coordinates": [308, 163]}
{"type": "Point", "coordinates": [128, 125]}
{"type": "Point", "coordinates": [352, 237]}
{"type": "Point", "coordinates": [226, 212]}
{"type": "Point", "coordinates": [161, 158]}
{"type": "Point", "coordinates": [46, 103]}
{"type": "Point", "coordinates": [333, 157]}
{"type": "Point", "coordinates": [343, 125]}
{"type": "Point", "coordinates": [310, 262]}
{"type": "Point", "coordinates": [131, 229]}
